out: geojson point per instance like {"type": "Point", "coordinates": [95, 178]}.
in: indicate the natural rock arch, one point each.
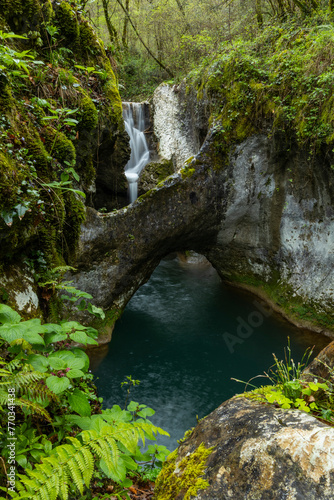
{"type": "Point", "coordinates": [262, 216]}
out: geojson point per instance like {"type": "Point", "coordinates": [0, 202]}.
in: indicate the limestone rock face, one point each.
{"type": "Point", "coordinates": [180, 123]}
{"type": "Point", "coordinates": [260, 215]}
{"type": "Point", "coordinates": [19, 290]}
{"type": "Point", "coordinates": [263, 453]}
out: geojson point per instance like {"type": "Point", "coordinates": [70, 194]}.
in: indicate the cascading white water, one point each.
{"type": "Point", "coordinates": [134, 119]}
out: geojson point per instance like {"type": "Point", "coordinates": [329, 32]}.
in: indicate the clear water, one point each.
{"type": "Point", "coordinates": [172, 338]}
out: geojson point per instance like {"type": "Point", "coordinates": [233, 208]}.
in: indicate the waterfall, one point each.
{"type": "Point", "coordinates": [134, 118]}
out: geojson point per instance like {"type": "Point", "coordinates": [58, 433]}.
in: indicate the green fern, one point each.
{"type": "Point", "coordinates": [72, 464]}
{"type": "Point", "coordinates": [27, 387]}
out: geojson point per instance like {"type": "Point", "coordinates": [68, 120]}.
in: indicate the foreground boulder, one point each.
{"type": "Point", "coordinates": [322, 366]}
{"type": "Point", "coordinates": [259, 453]}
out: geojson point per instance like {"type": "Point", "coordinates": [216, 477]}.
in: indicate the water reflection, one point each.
{"type": "Point", "coordinates": [171, 338]}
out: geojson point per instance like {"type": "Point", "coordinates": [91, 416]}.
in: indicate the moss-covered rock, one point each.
{"type": "Point", "coordinates": [88, 115]}
{"type": "Point", "coordinates": [183, 478]}
{"type": "Point", "coordinates": [59, 146]}
{"type": "Point", "coordinates": [66, 20]}
{"type": "Point", "coordinates": [38, 142]}
{"type": "Point", "coordinates": [153, 173]}
{"type": "Point", "coordinates": [21, 14]}
{"type": "Point", "coordinates": [259, 452]}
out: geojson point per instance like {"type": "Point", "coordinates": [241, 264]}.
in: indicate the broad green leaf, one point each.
{"type": "Point", "coordinates": [97, 311]}
{"type": "Point", "coordinates": [57, 363]}
{"type": "Point", "coordinates": [133, 406]}
{"type": "Point", "coordinates": [146, 412]}
{"type": "Point", "coordinates": [79, 403]}
{"type": "Point", "coordinates": [21, 210]}
{"type": "Point", "coordinates": [313, 386]}
{"type": "Point", "coordinates": [66, 356]}
{"type": "Point", "coordinates": [57, 384]}
{"type": "Point", "coordinates": [7, 217]}
{"type": "Point", "coordinates": [80, 354]}
{"type": "Point", "coordinates": [85, 423]}
{"type": "Point", "coordinates": [76, 363]}
{"type": "Point", "coordinates": [47, 446]}
{"type": "Point", "coordinates": [91, 341]}
{"type": "Point", "coordinates": [21, 460]}
{"type": "Point", "coordinates": [75, 373]}
{"type": "Point", "coordinates": [8, 315]}
{"type": "Point", "coordinates": [50, 338]}
{"type": "Point", "coordinates": [52, 328]}
{"type": "Point", "coordinates": [117, 472]}
{"type": "Point", "coordinates": [129, 462]}
{"type": "Point", "coordinates": [79, 337]}
{"type": "Point", "coordinates": [11, 332]}
{"type": "Point", "coordinates": [92, 332]}
{"type": "Point", "coordinates": [39, 362]}
{"type": "Point", "coordinates": [116, 414]}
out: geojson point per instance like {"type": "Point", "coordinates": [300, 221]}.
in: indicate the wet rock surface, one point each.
{"type": "Point", "coordinates": [263, 453]}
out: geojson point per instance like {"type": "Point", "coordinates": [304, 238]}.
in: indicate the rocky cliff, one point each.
{"type": "Point", "coordinates": [262, 216]}
{"type": "Point", "coordinates": [62, 142]}
{"type": "Point", "coordinates": [252, 190]}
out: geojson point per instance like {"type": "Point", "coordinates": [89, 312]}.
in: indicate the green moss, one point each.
{"type": "Point", "coordinates": [274, 81]}
{"type": "Point", "coordinates": [183, 476]}
{"type": "Point", "coordinates": [10, 178]}
{"type": "Point", "coordinates": [111, 91]}
{"type": "Point", "coordinates": [17, 12]}
{"type": "Point", "coordinates": [54, 218]}
{"type": "Point", "coordinates": [187, 171]}
{"type": "Point", "coordinates": [59, 146]}
{"type": "Point", "coordinates": [104, 325]}
{"type": "Point", "coordinates": [283, 295]}
{"type": "Point", "coordinates": [155, 173]}
{"type": "Point", "coordinates": [6, 99]}
{"type": "Point", "coordinates": [75, 216]}
{"type": "Point", "coordinates": [68, 25]}
{"type": "Point", "coordinates": [145, 195]}
{"type": "Point", "coordinates": [38, 152]}
{"type": "Point", "coordinates": [47, 11]}
{"type": "Point", "coordinates": [89, 42]}
{"type": "Point", "coordinates": [88, 114]}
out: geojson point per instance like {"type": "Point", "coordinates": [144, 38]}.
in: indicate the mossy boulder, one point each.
{"type": "Point", "coordinates": [21, 15]}
{"type": "Point", "coordinates": [67, 22]}
{"type": "Point", "coordinates": [183, 478]}
{"type": "Point", "coordinates": [19, 290]}
{"type": "Point", "coordinates": [259, 451]}
{"type": "Point", "coordinates": [153, 173]}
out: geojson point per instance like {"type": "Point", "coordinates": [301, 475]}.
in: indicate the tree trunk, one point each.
{"type": "Point", "coordinates": [111, 29]}
{"type": "Point", "coordinates": [258, 8]}
{"type": "Point", "coordinates": [142, 41]}
{"type": "Point", "coordinates": [125, 25]}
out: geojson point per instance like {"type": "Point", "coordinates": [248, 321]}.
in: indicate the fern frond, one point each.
{"type": "Point", "coordinates": [13, 364]}
{"type": "Point", "coordinates": [89, 465]}
{"type": "Point", "coordinates": [73, 463]}
{"type": "Point", "coordinates": [34, 408]}
{"type": "Point", "coordinates": [22, 379]}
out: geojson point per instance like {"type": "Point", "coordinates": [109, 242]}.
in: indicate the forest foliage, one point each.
{"type": "Point", "coordinates": [180, 34]}
{"type": "Point", "coordinates": [265, 65]}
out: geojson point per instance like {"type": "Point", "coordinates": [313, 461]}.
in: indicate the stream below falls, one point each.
{"type": "Point", "coordinates": [172, 337]}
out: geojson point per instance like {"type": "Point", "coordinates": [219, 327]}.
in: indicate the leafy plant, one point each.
{"type": "Point", "coordinates": [13, 61]}
{"type": "Point", "coordinates": [290, 388]}
{"type": "Point", "coordinates": [70, 467]}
